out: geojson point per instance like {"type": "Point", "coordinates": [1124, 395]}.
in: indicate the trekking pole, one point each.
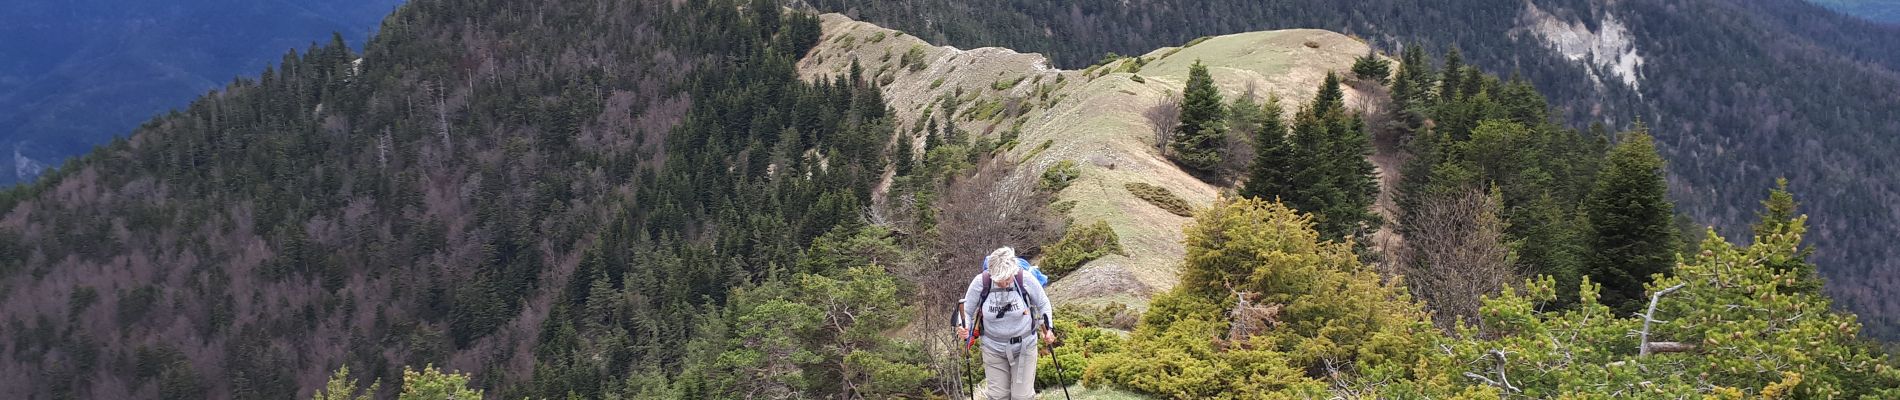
{"type": "Point", "coordinates": [1056, 360]}
{"type": "Point", "coordinates": [957, 318]}
{"type": "Point", "coordinates": [1053, 359]}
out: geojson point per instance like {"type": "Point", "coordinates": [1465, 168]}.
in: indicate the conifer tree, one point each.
{"type": "Point", "coordinates": [1453, 80]}
{"type": "Point", "coordinates": [1330, 176]}
{"type": "Point", "coordinates": [1778, 218]}
{"type": "Point", "coordinates": [1371, 67]}
{"type": "Point", "coordinates": [1270, 176]}
{"type": "Point", "coordinates": [1197, 140]}
{"type": "Point", "coordinates": [1631, 234]}
{"type": "Point", "coordinates": [903, 157]}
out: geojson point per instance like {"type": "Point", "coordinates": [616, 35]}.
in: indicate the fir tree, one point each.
{"type": "Point", "coordinates": [1197, 140]}
{"type": "Point", "coordinates": [1631, 236]}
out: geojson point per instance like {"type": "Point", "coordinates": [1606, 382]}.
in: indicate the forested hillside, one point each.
{"type": "Point", "coordinates": [440, 198]}
{"type": "Point", "coordinates": [1736, 93]}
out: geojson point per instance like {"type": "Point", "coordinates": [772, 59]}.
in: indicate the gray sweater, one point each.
{"type": "Point", "coordinates": [1015, 320]}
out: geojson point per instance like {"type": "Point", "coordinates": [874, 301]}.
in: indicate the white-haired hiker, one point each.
{"type": "Point", "coordinates": [1007, 327]}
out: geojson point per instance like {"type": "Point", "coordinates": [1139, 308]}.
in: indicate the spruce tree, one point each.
{"type": "Point", "coordinates": [1631, 234]}
{"type": "Point", "coordinates": [1351, 213]}
{"type": "Point", "coordinates": [903, 156]}
{"type": "Point", "coordinates": [1453, 80]}
{"type": "Point", "coordinates": [1270, 176]}
{"type": "Point", "coordinates": [1330, 177]}
{"type": "Point", "coordinates": [1330, 97]}
{"type": "Point", "coordinates": [1371, 67]}
{"type": "Point", "coordinates": [1197, 140]}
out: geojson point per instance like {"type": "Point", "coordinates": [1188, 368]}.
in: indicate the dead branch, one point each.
{"type": "Point", "coordinates": [1650, 316]}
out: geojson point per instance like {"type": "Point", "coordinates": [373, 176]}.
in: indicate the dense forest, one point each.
{"type": "Point", "coordinates": [1736, 94]}
{"type": "Point", "coordinates": [601, 199]}
{"type": "Point", "coordinates": [441, 198]}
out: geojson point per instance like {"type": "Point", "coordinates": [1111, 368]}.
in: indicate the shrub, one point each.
{"type": "Point", "coordinates": [1334, 315]}
{"type": "Point", "coordinates": [1059, 176]}
{"type": "Point", "coordinates": [1005, 84]}
{"type": "Point", "coordinates": [1079, 246]}
{"type": "Point", "coordinates": [914, 59]}
{"type": "Point", "coordinates": [1161, 197]}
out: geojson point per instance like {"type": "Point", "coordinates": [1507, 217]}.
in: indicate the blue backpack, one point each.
{"type": "Point", "coordinates": [1033, 270]}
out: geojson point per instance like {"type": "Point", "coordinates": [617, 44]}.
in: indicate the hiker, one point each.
{"type": "Point", "coordinates": [1008, 329]}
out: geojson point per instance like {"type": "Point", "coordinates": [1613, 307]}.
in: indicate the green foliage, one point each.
{"type": "Point", "coordinates": [1078, 246]}
{"type": "Point", "coordinates": [1751, 340]}
{"type": "Point", "coordinates": [814, 334]}
{"type": "Point", "coordinates": [1160, 197]}
{"type": "Point", "coordinates": [1058, 176]}
{"type": "Point", "coordinates": [342, 386]}
{"type": "Point", "coordinates": [433, 384]}
{"type": "Point", "coordinates": [1632, 235]}
{"type": "Point", "coordinates": [1494, 136]}
{"type": "Point", "coordinates": [1340, 327]}
{"type": "Point", "coordinates": [1196, 144]}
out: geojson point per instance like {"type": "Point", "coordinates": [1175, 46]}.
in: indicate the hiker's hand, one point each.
{"type": "Point", "coordinates": [963, 333]}
{"type": "Point", "coordinates": [1048, 337]}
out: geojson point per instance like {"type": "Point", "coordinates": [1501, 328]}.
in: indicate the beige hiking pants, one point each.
{"type": "Point", "coordinates": [1010, 373]}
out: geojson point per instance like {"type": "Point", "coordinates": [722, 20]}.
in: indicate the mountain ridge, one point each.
{"type": "Point", "coordinates": [1092, 119]}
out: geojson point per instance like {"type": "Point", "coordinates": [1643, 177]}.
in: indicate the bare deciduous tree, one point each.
{"type": "Point", "coordinates": [978, 213]}
{"type": "Point", "coordinates": [1457, 254]}
{"type": "Point", "coordinates": [1163, 117]}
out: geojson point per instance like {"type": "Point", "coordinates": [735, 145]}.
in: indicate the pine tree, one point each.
{"type": "Point", "coordinates": [1778, 218]}
{"type": "Point", "coordinates": [1197, 140]}
{"type": "Point", "coordinates": [1631, 234]}
{"type": "Point", "coordinates": [1271, 174]}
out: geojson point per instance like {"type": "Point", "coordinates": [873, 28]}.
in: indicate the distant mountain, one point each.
{"type": "Point", "coordinates": [76, 73]}
{"type": "Point", "coordinates": [1878, 10]}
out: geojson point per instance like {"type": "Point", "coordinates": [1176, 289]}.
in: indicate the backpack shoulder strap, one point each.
{"type": "Point", "coordinates": [985, 296]}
